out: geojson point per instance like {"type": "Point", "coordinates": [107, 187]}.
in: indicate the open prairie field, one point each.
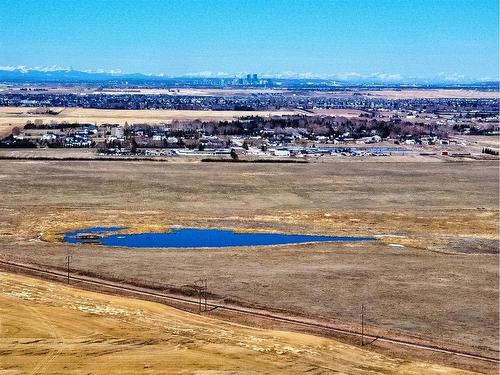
{"type": "Point", "coordinates": [193, 91]}
{"type": "Point", "coordinates": [17, 116]}
{"type": "Point", "coordinates": [5, 129]}
{"type": "Point", "coordinates": [477, 142]}
{"type": "Point", "coordinates": [432, 94]}
{"type": "Point", "coordinates": [387, 93]}
{"type": "Point", "coordinates": [340, 112]}
{"type": "Point", "coordinates": [431, 274]}
{"type": "Point", "coordinates": [50, 328]}
{"type": "Point", "coordinates": [383, 93]}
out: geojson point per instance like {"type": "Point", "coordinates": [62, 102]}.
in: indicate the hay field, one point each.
{"type": "Point", "coordinates": [51, 328]}
{"type": "Point", "coordinates": [431, 275]}
{"type": "Point", "coordinates": [192, 91]}
{"type": "Point", "coordinates": [478, 142]}
{"type": "Point", "coordinates": [17, 116]}
{"type": "Point", "coordinates": [6, 129]}
{"type": "Point", "coordinates": [432, 94]}
{"type": "Point", "coordinates": [340, 112]}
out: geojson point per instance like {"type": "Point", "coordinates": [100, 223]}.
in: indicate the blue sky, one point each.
{"type": "Point", "coordinates": [420, 38]}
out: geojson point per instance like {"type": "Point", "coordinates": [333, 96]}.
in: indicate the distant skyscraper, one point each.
{"type": "Point", "coordinates": [251, 79]}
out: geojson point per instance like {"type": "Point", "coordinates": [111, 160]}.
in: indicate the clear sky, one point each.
{"type": "Point", "coordinates": [409, 37]}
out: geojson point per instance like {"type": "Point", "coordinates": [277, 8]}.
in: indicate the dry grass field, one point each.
{"type": "Point", "coordinates": [431, 275]}
{"type": "Point", "coordinates": [384, 93]}
{"type": "Point", "coordinates": [193, 91]}
{"type": "Point", "coordinates": [340, 92]}
{"type": "Point", "coordinates": [432, 94]}
{"type": "Point", "coordinates": [477, 142]}
{"type": "Point", "coordinates": [18, 116]}
{"type": "Point", "coordinates": [50, 328]}
{"type": "Point", "coordinates": [340, 112]}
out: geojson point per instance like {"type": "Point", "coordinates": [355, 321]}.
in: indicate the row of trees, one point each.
{"type": "Point", "coordinates": [305, 125]}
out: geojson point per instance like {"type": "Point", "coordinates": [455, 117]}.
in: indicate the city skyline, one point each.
{"type": "Point", "coordinates": [59, 73]}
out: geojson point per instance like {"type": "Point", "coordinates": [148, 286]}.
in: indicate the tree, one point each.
{"type": "Point", "coordinates": [126, 130]}
{"type": "Point", "coordinates": [234, 155]}
{"type": "Point", "coordinates": [133, 147]}
{"type": "Point", "coordinates": [16, 131]}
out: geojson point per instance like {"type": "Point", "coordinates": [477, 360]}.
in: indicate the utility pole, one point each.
{"type": "Point", "coordinates": [205, 289]}
{"type": "Point", "coordinates": [201, 287]}
{"type": "Point", "coordinates": [69, 257]}
{"type": "Point", "coordinates": [200, 291]}
{"type": "Point", "coordinates": [362, 324]}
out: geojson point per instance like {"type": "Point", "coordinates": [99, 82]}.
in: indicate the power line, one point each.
{"type": "Point", "coordinates": [362, 324]}
{"type": "Point", "coordinates": [69, 257]}
{"type": "Point", "coordinates": [264, 315]}
{"type": "Point", "coordinates": [201, 287]}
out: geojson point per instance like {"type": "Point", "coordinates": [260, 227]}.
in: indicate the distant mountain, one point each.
{"type": "Point", "coordinates": [23, 74]}
{"type": "Point", "coordinates": [67, 76]}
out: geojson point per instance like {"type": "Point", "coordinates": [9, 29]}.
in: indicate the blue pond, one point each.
{"type": "Point", "coordinates": [192, 238]}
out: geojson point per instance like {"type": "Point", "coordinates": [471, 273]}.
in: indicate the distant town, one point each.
{"type": "Point", "coordinates": [283, 136]}
{"type": "Point", "coordinates": [299, 120]}
{"type": "Point", "coordinates": [304, 100]}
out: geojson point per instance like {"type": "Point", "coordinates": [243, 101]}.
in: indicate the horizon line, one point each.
{"type": "Point", "coordinates": [341, 76]}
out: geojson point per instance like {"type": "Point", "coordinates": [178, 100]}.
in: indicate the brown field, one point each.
{"type": "Point", "coordinates": [146, 90]}
{"type": "Point", "coordinates": [438, 284]}
{"type": "Point", "coordinates": [5, 129]}
{"type": "Point", "coordinates": [384, 93]}
{"type": "Point", "coordinates": [477, 142]}
{"type": "Point", "coordinates": [50, 328]}
{"type": "Point", "coordinates": [193, 91]}
{"type": "Point", "coordinates": [339, 112]}
{"type": "Point", "coordinates": [340, 92]}
{"type": "Point", "coordinates": [17, 116]}
{"type": "Point", "coordinates": [432, 94]}
{"type": "Point", "coordinates": [410, 93]}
